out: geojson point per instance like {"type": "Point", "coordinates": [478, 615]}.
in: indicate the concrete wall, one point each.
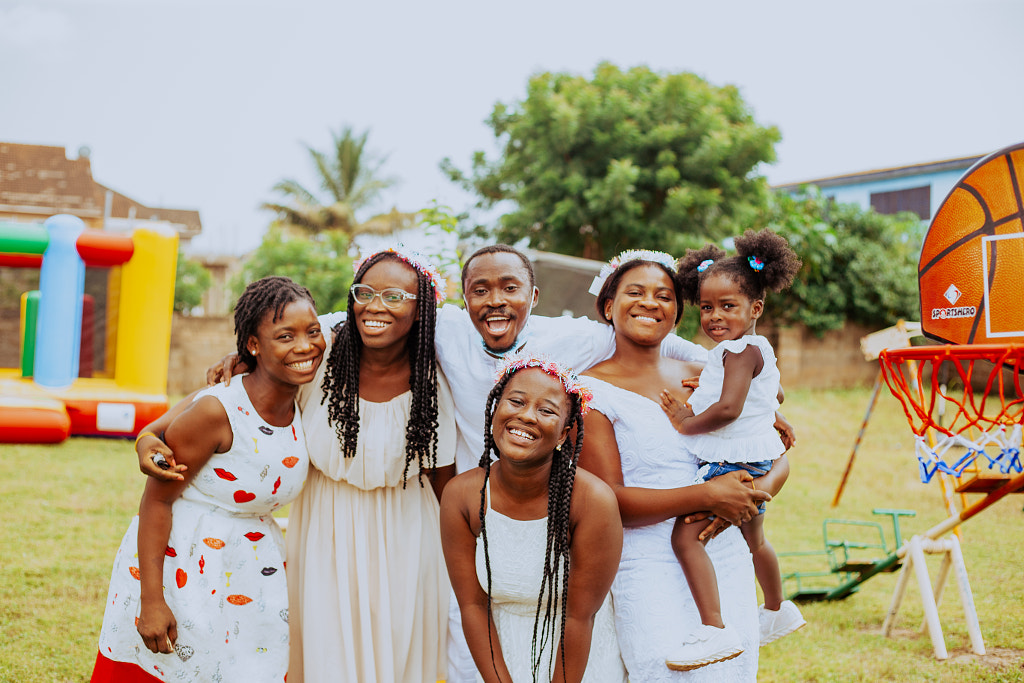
{"type": "Point", "coordinates": [196, 343]}
{"type": "Point", "coordinates": [808, 362]}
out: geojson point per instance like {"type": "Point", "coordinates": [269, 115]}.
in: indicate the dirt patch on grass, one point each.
{"type": "Point", "coordinates": [995, 657]}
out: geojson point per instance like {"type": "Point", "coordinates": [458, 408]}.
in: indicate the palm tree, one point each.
{"type": "Point", "coordinates": [348, 177]}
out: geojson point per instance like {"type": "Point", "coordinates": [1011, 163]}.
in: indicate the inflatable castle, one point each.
{"type": "Point", "coordinates": [59, 390]}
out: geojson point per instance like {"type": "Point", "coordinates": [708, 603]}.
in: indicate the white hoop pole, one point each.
{"type": "Point", "coordinates": [966, 597]}
{"type": "Point", "coordinates": [931, 611]}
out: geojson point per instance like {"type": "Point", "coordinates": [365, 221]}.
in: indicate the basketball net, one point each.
{"type": "Point", "coordinates": [964, 404]}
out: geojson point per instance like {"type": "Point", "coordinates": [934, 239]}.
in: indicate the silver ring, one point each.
{"type": "Point", "coordinates": [160, 461]}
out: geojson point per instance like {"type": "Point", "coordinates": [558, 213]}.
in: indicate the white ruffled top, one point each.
{"type": "Point", "coordinates": [752, 436]}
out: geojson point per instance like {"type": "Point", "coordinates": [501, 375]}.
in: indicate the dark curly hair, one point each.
{"type": "Point", "coordinates": [499, 249]}
{"type": "Point", "coordinates": [611, 285]}
{"type": "Point", "coordinates": [780, 265]}
{"type": "Point", "coordinates": [269, 294]}
{"type": "Point", "coordinates": [553, 595]}
{"type": "Point", "coordinates": [341, 378]}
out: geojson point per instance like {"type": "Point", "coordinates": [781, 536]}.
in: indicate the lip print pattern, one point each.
{"type": "Point", "coordinates": [266, 430]}
{"type": "Point", "coordinates": [254, 536]}
{"type": "Point", "coordinates": [268, 571]}
{"type": "Point", "coordinates": [224, 474]}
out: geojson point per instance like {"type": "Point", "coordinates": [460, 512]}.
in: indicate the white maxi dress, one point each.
{"type": "Point", "coordinates": [654, 607]}
{"type": "Point", "coordinates": [367, 583]}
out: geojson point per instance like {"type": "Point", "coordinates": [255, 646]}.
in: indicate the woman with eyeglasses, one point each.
{"type": "Point", "coordinates": [367, 582]}
{"type": "Point", "coordinates": [367, 586]}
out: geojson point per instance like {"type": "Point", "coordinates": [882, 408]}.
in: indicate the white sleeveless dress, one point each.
{"type": "Point", "coordinates": [654, 608]}
{"type": "Point", "coordinates": [516, 549]}
{"type": "Point", "coordinates": [224, 569]}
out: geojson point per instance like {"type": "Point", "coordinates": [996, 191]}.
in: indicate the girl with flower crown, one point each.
{"type": "Point", "coordinates": [531, 543]}
{"type": "Point", "coordinates": [367, 587]}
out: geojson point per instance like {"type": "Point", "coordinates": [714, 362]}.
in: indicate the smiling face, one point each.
{"type": "Point", "coordinates": [725, 312]}
{"type": "Point", "coordinates": [531, 417]}
{"type": "Point", "coordinates": [379, 326]}
{"type": "Point", "coordinates": [291, 348]}
{"type": "Point", "coordinates": [644, 306]}
{"type": "Point", "coordinates": [499, 297]}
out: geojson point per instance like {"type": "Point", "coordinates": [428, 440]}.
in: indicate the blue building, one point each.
{"type": "Point", "coordinates": [919, 188]}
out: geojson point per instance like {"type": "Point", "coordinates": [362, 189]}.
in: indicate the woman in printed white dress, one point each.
{"type": "Point", "coordinates": [531, 543]}
{"type": "Point", "coordinates": [367, 587]}
{"type": "Point", "coordinates": [198, 587]}
{"type": "Point", "coordinates": [633, 447]}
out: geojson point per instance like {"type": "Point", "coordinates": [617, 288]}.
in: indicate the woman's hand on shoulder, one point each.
{"type": "Point", "coordinates": [224, 369]}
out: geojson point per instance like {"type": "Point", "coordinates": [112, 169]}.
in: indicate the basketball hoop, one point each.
{"type": "Point", "coordinates": [977, 422]}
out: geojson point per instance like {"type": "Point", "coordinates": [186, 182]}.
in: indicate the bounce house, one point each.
{"type": "Point", "coordinates": [91, 365]}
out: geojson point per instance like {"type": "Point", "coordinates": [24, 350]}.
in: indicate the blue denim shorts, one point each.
{"type": "Point", "coordinates": [759, 468]}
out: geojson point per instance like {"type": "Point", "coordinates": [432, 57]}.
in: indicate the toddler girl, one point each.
{"type": "Point", "coordinates": [731, 415]}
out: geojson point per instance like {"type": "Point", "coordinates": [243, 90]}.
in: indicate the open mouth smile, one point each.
{"type": "Point", "coordinates": [302, 365]}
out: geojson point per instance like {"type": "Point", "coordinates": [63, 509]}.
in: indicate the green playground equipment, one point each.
{"type": "Point", "coordinates": [855, 551]}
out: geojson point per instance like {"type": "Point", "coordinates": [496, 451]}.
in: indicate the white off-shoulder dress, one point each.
{"type": "Point", "coordinates": [367, 583]}
{"type": "Point", "coordinates": [654, 607]}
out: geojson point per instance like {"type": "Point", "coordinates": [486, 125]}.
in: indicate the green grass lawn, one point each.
{"type": "Point", "coordinates": [67, 506]}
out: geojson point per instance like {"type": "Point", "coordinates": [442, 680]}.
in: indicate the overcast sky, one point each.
{"type": "Point", "coordinates": [205, 104]}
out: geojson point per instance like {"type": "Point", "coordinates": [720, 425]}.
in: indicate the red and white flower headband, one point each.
{"type": "Point", "coordinates": [564, 374]}
{"type": "Point", "coordinates": [417, 261]}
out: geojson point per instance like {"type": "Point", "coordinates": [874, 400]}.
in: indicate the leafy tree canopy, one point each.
{"type": "Point", "coordinates": [858, 265]}
{"type": "Point", "coordinates": [320, 263]}
{"type": "Point", "coordinates": [626, 159]}
{"type": "Point", "coordinates": [191, 280]}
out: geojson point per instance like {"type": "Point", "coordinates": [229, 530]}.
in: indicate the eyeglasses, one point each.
{"type": "Point", "coordinates": [390, 297]}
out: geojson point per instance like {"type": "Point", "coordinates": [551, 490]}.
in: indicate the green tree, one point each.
{"type": "Point", "coordinates": [858, 265]}
{"type": "Point", "coordinates": [349, 181]}
{"type": "Point", "coordinates": [626, 159]}
{"type": "Point", "coordinates": [191, 280]}
{"type": "Point", "coordinates": [320, 263]}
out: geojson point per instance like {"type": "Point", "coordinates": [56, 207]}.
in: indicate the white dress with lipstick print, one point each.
{"type": "Point", "coordinates": [224, 577]}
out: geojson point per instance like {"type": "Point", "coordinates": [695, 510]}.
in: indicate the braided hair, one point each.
{"type": "Point", "coordinates": [269, 294]}
{"type": "Point", "coordinates": [764, 261]}
{"type": "Point", "coordinates": [553, 596]}
{"type": "Point", "coordinates": [341, 377]}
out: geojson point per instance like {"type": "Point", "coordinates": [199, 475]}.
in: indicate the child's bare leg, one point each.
{"type": "Point", "coordinates": [699, 571]}
{"type": "Point", "coordinates": [766, 563]}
